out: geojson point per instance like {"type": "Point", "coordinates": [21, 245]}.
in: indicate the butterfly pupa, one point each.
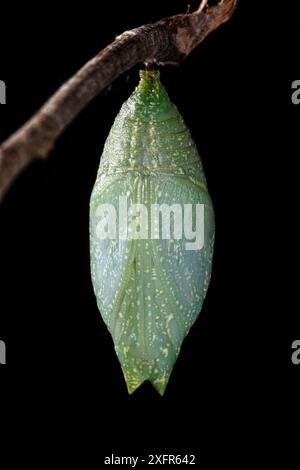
{"type": "Point", "coordinates": [150, 279]}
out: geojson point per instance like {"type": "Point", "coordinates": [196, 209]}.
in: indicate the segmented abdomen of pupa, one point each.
{"type": "Point", "coordinates": [149, 286]}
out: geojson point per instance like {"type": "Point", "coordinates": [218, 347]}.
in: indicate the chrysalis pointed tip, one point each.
{"type": "Point", "coordinates": [133, 384]}
{"type": "Point", "coordinates": [160, 383]}
{"type": "Point", "coordinates": [160, 388]}
{"type": "Point", "coordinates": [132, 387]}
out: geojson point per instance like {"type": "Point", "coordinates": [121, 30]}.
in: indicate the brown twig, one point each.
{"type": "Point", "coordinates": [169, 40]}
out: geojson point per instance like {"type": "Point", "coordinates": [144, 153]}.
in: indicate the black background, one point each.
{"type": "Point", "coordinates": [234, 384]}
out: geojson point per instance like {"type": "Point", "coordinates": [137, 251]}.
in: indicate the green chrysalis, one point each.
{"type": "Point", "coordinates": [149, 276]}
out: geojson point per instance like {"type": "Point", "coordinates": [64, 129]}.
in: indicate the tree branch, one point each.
{"type": "Point", "coordinates": [169, 40]}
